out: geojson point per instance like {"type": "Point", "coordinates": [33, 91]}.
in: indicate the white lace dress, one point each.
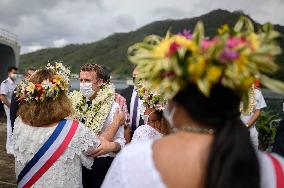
{"type": "Point", "coordinates": [67, 170]}
{"type": "Point", "coordinates": [134, 167]}
{"type": "Point", "coordinates": [144, 133]}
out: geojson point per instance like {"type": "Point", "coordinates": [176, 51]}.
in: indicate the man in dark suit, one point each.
{"type": "Point", "coordinates": [278, 146]}
{"type": "Point", "coordinates": [133, 105]}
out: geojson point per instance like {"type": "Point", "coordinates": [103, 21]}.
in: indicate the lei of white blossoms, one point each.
{"type": "Point", "coordinates": [48, 89]}
{"type": "Point", "coordinates": [94, 115]}
{"type": "Point", "coordinates": [251, 103]}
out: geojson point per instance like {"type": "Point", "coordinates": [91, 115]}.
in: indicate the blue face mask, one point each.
{"type": "Point", "coordinates": [169, 115]}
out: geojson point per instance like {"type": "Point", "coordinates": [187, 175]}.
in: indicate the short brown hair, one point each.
{"type": "Point", "coordinates": [39, 114]}
{"type": "Point", "coordinates": [102, 72]}
{"type": "Point", "coordinates": [29, 69]}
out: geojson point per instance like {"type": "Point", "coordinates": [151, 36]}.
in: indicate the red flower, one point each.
{"type": "Point", "coordinates": [173, 49]}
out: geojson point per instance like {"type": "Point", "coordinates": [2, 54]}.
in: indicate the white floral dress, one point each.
{"type": "Point", "coordinates": [67, 170]}
{"type": "Point", "coordinates": [134, 167]}
{"type": "Point", "coordinates": [145, 133]}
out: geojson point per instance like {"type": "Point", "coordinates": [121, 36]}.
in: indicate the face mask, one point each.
{"type": "Point", "coordinates": [86, 89]}
{"type": "Point", "coordinates": [169, 116]}
{"type": "Point", "coordinates": [13, 76]}
{"type": "Point", "coordinates": [146, 118]}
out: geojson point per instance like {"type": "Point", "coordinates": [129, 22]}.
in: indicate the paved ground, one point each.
{"type": "Point", "coordinates": [7, 171]}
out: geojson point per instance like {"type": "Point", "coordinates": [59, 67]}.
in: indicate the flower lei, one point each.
{"type": "Point", "coordinates": [94, 115]}
{"type": "Point", "coordinates": [47, 89]}
{"type": "Point", "coordinates": [150, 99]}
{"type": "Point", "coordinates": [233, 58]}
{"type": "Point", "coordinates": [251, 103]}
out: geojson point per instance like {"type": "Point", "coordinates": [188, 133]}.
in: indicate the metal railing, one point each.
{"type": "Point", "coordinates": [8, 36]}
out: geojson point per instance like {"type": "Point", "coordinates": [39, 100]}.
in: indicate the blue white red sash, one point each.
{"type": "Point", "coordinates": [279, 173]}
{"type": "Point", "coordinates": [48, 153]}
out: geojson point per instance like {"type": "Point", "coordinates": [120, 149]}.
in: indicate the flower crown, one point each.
{"type": "Point", "coordinates": [39, 92]}
{"type": "Point", "coordinates": [150, 99]}
{"type": "Point", "coordinates": [235, 58]}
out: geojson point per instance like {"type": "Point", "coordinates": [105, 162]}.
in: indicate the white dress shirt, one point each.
{"type": "Point", "coordinates": [119, 136]}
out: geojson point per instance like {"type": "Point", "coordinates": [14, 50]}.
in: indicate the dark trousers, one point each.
{"type": "Point", "coordinates": [278, 146]}
{"type": "Point", "coordinates": [94, 178]}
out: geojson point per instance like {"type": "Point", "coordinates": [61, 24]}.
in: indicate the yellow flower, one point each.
{"type": "Point", "coordinates": [196, 68]}
{"type": "Point", "coordinates": [254, 40]}
{"type": "Point", "coordinates": [223, 29]}
{"type": "Point", "coordinates": [241, 62]}
{"type": "Point", "coordinates": [161, 50]}
{"type": "Point", "coordinates": [247, 83]}
{"type": "Point", "coordinates": [31, 87]}
{"type": "Point", "coordinates": [189, 44]}
{"type": "Point", "coordinates": [213, 73]}
{"type": "Point", "coordinates": [57, 79]}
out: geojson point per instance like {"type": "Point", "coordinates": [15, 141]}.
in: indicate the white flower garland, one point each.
{"type": "Point", "coordinates": [251, 103]}
{"type": "Point", "coordinates": [94, 115]}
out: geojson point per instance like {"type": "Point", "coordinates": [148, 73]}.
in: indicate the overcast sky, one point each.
{"type": "Point", "coordinates": [55, 23]}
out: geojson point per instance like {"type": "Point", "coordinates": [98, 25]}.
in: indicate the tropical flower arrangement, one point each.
{"type": "Point", "coordinates": [95, 114]}
{"type": "Point", "coordinates": [150, 99]}
{"type": "Point", "coordinates": [235, 58]}
{"type": "Point", "coordinates": [48, 89]}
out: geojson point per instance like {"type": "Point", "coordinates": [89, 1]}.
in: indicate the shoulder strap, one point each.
{"type": "Point", "coordinates": [48, 154]}
{"type": "Point", "coordinates": [278, 171]}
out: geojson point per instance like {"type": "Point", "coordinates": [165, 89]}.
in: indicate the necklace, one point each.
{"type": "Point", "coordinates": [195, 130]}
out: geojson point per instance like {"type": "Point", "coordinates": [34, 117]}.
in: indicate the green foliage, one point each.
{"type": "Point", "coordinates": [112, 50]}
{"type": "Point", "coordinates": [266, 129]}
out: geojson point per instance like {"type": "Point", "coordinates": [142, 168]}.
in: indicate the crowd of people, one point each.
{"type": "Point", "coordinates": [188, 120]}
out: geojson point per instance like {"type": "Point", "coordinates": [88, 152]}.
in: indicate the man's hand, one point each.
{"type": "Point", "coordinates": [254, 118]}
{"type": "Point", "coordinates": [105, 147]}
{"type": "Point", "coordinates": [119, 117]}
{"type": "Point", "coordinates": [5, 100]}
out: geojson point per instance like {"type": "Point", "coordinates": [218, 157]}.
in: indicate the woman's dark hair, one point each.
{"type": "Point", "coordinates": [232, 161]}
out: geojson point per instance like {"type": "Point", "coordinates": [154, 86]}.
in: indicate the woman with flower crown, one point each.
{"type": "Point", "coordinates": [155, 124]}
{"type": "Point", "coordinates": [50, 148]}
{"type": "Point", "coordinates": [204, 79]}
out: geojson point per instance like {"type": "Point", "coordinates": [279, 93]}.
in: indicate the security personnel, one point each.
{"type": "Point", "coordinates": [6, 92]}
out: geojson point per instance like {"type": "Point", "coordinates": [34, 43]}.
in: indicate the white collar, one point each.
{"type": "Point", "coordinates": [10, 80]}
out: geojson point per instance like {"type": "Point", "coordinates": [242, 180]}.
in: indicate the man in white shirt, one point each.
{"type": "Point", "coordinates": [6, 92]}
{"type": "Point", "coordinates": [251, 118]}
{"type": "Point", "coordinates": [92, 77]}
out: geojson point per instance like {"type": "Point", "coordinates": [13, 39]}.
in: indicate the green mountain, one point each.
{"type": "Point", "coordinates": [111, 51]}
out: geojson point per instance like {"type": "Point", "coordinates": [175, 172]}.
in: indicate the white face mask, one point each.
{"type": "Point", "coordinates": [86, 89]}
{"type": "Point", "coordinates": [146, 118]}
{"type": "Point", "coordinates": [169, 115]}
{"type": "Point", "coordinates": [13, 76]}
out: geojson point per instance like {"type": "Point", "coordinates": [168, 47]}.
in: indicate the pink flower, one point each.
{"type": "Point", "coordinates": [234, 41]}
{"type": "Point", "coordinates": [173, 49]}
{"type": "Point", "coordinates": [205, 44]}
{"type": "Point", "coordinates": [228, 55]}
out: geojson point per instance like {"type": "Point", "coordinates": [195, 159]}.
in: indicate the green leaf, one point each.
{"type": "Point", "coordinates": [244, 25]}
{"type": "Point", "coordinates": [272, 84]}
{"type": "Point", "coordinates": [198, 33]}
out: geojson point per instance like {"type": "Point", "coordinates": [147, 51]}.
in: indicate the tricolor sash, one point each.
{"type": "Point", "coordinates": [48, 154]}
{"type": "Point", "coordinates": [279, 174]}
